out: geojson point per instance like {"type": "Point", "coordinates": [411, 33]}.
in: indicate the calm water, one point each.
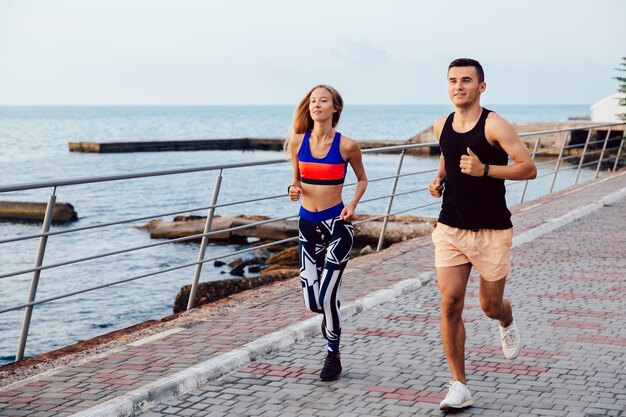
{"type": "Point", "coordinates": [33, 147]}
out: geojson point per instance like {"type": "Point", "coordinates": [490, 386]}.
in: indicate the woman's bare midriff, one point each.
{"type": "Point", "coordinates": [320, 197]}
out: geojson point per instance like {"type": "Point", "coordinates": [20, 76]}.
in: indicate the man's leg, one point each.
{"type": "Point", "coordinates": [497, 307]}
{"type": "Point", "coordinates": [493, 303]}
{"type": "Point", "coordinates": [452, 284]}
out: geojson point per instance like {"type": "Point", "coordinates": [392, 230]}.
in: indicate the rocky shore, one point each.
{"type": "Point", "coordinates": [274, 263]}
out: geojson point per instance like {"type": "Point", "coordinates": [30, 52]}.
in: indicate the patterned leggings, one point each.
{"type": "Point", "coordinates": [324, 251]}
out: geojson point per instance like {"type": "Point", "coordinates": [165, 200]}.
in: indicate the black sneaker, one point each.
{"type": "Point", "coordinates": [332, 367]}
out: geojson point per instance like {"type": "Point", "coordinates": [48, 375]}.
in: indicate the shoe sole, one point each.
{"type": "Point", "coordinates": [331, 379]}
{"type": "Point", "coordinates": [512, 356]}
{"type": "Point", "coordinates": [452, 407]}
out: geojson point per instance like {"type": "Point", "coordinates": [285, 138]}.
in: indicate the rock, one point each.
{"type": "Point", "coordinates": [183, 226]}
{"type": "Point", "coordinates": [218, 263]}
{"type": "Point", "coordinates": [35, 212]}
{"type": "Point", "coordinates": [280, 272]}
{"type": "Point", "coordinates": [399, 228]}
{"type": "Point", "coordinates": [235, 262]}
{"type": "Point", "coordinates": [215, 290]}
{"type": "Point", "coordinates": [285, 258]}
{"type": "Point", "coordinates": [239, 269]}
{"type": "Point", "coordinates": [366, 250]}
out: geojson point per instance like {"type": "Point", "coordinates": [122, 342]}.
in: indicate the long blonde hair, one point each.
{"type": "Point", "coordinates": [302, 121]}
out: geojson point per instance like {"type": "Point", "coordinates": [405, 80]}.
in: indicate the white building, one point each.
{"type": "Point", "coordinates": [607, 109]}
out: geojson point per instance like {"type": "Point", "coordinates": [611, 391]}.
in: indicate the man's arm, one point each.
{"type": "Point", "coordinates": [501, 133]}
{"type": "Point", "coordinates": [435, 188]}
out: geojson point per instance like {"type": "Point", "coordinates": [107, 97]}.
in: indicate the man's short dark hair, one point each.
{"type": "Point", "coordinates": [468, 62]}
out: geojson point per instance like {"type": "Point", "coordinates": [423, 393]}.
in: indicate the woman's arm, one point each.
{"type": "Point", "coordinates": [355, 159]}
{"type": "Point", "coordinates": [295, 189]}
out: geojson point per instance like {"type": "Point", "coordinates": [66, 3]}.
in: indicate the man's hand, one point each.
{"type": "Point", "coordinates": [435, 187]}
{"type": "Point", "coordinates": [471, 165]}
{"type": "Point", "coordinates": [295, 192]}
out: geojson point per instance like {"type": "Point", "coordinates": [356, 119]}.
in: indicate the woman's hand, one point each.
{"type": "Point", "coordinates": [294, 192]}
{"type": "Point", "coordinates": [347, 214]}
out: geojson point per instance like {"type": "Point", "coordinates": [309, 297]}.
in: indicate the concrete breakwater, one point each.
{"type": "Point", "coordinates": [34, 212]}
{"type": "Point", "coordinates": [273, 144]}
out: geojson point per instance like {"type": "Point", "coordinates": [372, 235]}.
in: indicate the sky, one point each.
{"type": "Point", "coordinates": [249, 52]}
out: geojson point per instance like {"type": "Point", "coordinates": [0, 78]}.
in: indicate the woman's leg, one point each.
{"type": "Point", "coordinates": [341, 237]}
{"type": "Point", "coordinates": [311, 252]}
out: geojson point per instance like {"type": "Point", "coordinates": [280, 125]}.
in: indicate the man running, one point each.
{"type": "Point", "coordinates": [474, 228]}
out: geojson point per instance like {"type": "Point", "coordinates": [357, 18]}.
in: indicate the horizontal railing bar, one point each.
{"type": "Point", "coordinates": [99, 225]}
{"type": "Point", "coordinates": [163, 271]}
{"type": "Point", "coordinates": [137, 248]}
{"type": "Point", "coordinates": [571, 129]}
{"type": "Point", "coordinates": [397, 212]}
{"type": "Point", "coordinates": [105, 178]}
{"type": "Point", "coordinates": [577, 146]}
{"type": "Point", "coordinates": [175, 268]}
{"type": "Point", "coordinates": [87, 180]}
{"type": "Point", "coordinates": [393, 195]}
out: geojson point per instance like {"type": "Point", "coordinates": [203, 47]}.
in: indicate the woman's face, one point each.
{"type": "Point", "coordinates": [321, 105]}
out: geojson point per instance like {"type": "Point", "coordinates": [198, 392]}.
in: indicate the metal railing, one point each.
{"type": "Point", "coordinates": [584, 153]}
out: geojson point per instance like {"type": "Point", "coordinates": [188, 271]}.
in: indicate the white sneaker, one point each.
{"type": "Point", "coordinates": [458, 396]}
{"type": "Point", "coordinates": [511, 340]}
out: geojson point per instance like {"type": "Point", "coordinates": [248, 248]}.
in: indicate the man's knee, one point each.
{"type": "Point", "coordinates": [491, 308]}
{"type": "Point", "coordinates": [451, 306]}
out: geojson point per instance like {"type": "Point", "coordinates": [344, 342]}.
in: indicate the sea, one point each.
{"type": "Point", "coordinates": [34, 147]}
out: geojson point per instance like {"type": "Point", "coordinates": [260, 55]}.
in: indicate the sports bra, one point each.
{"type": "Point", "coordinates": [329, 170]}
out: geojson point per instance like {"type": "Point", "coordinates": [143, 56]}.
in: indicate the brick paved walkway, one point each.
{"type": "Point", "coordinates": [568, 287]}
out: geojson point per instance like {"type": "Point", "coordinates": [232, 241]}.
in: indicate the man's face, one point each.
{"type": "Point", "coordinates": [464, 88]}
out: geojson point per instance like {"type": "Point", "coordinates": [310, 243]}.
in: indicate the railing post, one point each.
{"type": "Point", "coordinates": [205, 239]}
{"type": "Point", "coordinates": [619, 151]}
{"type": "Point", "coordinates": [558, 162]}
{"type": "Point", "coordinates": [381, 238]}
{"type": "Point", "coordinates": [582, 157]}
{"type": "Point", "coordinates": [521, 200]}
{"type": "Point", "coordinates": [34, 282]}
{"type": "Point", "coordinates": [606, 140]}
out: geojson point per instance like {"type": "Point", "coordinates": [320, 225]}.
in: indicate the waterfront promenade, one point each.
{"type": "Point", "coordinates": [568, 288]}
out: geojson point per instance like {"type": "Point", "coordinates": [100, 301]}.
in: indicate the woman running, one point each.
{"type": "Point", "coordinates": [320, 156]}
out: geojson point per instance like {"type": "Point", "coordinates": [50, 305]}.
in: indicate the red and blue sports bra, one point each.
{"type": "Point", "coordinates": [329, 170]}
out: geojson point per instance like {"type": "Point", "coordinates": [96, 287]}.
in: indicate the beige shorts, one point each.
{"type": "Point", "coordinates": [488, 250]}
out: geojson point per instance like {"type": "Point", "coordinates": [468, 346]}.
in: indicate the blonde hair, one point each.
{"type": "Point", "coordinates": [302, 121]}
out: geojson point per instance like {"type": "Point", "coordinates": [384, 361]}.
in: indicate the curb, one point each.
{"type": "Point", "coordinates": [144, 398]}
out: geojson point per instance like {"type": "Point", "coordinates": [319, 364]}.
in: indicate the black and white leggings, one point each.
{"type": "Point", "coordinates": [324, 250]}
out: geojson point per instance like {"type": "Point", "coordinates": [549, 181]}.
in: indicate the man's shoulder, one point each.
{"type": "Point", "coordinates": [494, 118]}
{"type": "Point", "coordinates": [438, 125]}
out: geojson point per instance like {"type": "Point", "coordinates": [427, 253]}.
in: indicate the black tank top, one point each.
{"type": "Point", "coordinates": [472, 202]}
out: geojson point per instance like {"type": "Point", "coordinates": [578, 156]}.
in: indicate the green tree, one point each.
{"type": "Point", "coordinates": [622, 86]}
